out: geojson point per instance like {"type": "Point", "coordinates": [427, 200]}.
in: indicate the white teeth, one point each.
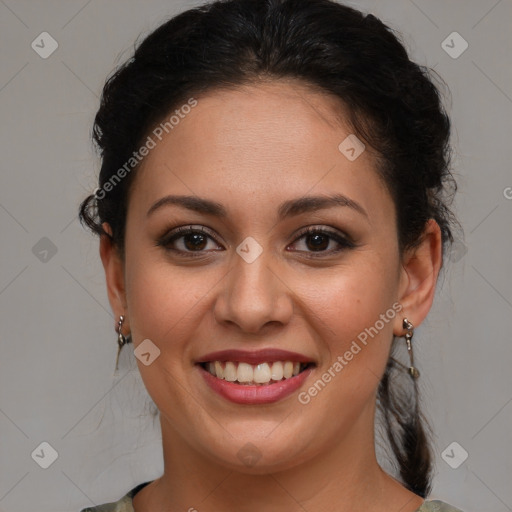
{"type": "Point", "coordinates": [229, 372]}
{"type": "Point", "coordinates": [262, 373]}
{"type": "Point", "coordinates": [245, 373]}
{"type": "Point", "coordinates": [218, 370]}
{"type": "Point", "coordinates": [288, 369]}
{"type": "Point", "coordinates": [277, 371]}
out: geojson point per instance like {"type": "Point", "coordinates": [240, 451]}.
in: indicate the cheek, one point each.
{"type": "Point", "coordinates": [163, 304]}
{"type": "Point", "coordinates": [348, 300]}
{"type": "Point", "coordinates": [353, 314]}
{"type": "Point", "coordinates": [162, 299]}
{"type": "Point", "coordinates": [354, 311]}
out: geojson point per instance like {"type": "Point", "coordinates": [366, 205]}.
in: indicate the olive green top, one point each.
{"type": "Point", "coordinates": [125, 504]}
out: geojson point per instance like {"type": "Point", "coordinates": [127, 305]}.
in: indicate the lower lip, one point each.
{"type": "Point", "coordinates": [263, 394]}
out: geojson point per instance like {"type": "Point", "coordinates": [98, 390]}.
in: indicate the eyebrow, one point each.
{"type": "Point", "coordinates": [289, 208]}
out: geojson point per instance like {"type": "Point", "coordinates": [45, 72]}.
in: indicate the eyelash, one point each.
{"type": "Point", "coordinates": [174, 235]}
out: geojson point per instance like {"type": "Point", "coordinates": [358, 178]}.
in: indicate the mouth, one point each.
{"type": "Point", "coordinates": [255, 377]}
{"type": "Point", "coordinates": [261, 374]}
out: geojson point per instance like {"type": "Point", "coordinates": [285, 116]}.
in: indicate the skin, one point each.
{"type": "Point", "coordinates": [250, 149]}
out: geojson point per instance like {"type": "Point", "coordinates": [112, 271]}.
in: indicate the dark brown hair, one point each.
{"type": "Point", "coordinates": [392, 103]}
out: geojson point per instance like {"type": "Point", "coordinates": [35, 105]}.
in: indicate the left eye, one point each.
{"type": "Point", "coordinates": [196, 240]}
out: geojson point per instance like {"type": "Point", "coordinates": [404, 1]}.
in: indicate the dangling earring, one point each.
{"type": "Point", "coordinates": [413, 371]}
{"type": "Point", "coordinates": [121, 340]}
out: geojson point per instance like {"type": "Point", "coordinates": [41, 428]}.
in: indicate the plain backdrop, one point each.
{"type": "Point", "coordinates": [57, 334]}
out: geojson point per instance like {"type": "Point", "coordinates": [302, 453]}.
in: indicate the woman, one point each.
{"type": "Point", "coordinates": [272, 218]}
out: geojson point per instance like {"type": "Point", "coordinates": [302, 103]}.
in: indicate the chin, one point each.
{"type": "Point", "coordinates": [258, 456]}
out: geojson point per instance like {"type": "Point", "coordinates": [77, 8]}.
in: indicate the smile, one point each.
{"type": "Point", "coordinates": [261, 383]}
{"type": "Point", "coordinates": [262, 374]}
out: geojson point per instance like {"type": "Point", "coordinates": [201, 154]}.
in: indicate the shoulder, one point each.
{"type": "Point", "coordinates": [437, 506]}
{"type": "Point", "coordinates": [124, 504]}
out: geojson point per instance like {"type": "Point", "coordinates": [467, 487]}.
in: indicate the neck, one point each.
{"type": "Point", "coordinates": [345, 476]}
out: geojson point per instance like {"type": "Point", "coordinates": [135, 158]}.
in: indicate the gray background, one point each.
{"type": "Point", "coordinates": [56, 328]}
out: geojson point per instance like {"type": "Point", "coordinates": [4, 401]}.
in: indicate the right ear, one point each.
{"type": "Point", "coordinates": [114, 274]}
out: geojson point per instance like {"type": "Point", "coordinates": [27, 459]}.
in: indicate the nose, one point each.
{"type": "Point", "coordinates": [254, 296]}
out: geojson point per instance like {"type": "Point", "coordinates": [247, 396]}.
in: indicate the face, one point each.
{"type": "Point", "coordinates": [251, 279]}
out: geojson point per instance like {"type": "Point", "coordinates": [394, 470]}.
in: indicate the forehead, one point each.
{"type": "Point", "coordinates": [268, 140]}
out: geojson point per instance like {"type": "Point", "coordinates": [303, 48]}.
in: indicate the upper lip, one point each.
{"type": "Point", "coordinates": [266, 355]}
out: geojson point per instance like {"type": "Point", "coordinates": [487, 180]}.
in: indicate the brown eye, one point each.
{"type": "Point", "coordinates": [186, 241]}
{"type": "Point", "coordinates": [190, 241]}
{"type": "Point", "coordinates": [194, 241]}
{"type": "Point", "coordinates": [318, 240]}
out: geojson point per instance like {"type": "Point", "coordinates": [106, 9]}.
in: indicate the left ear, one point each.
{"type": "Point", "coordinates": [418, 279]}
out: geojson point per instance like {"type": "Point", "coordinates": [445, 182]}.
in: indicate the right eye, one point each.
{"type": "Point", "coordinates": [191, 240]}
